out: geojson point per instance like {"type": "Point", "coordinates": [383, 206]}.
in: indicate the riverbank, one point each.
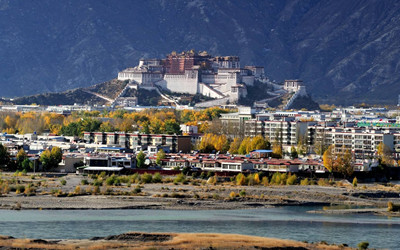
{"type": "Point", "coordinates": [79, 192]}
{"type": "Point", "coordinates": [138, 240]}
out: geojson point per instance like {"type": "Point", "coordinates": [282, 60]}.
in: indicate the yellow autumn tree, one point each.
{"type": "Point", "coordinates": [235, 144]}
{"type": "Point", "coordinates": [329, 158]}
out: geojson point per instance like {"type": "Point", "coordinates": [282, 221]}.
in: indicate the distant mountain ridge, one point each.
{"type": "Point", "coordinates": [345, 51]}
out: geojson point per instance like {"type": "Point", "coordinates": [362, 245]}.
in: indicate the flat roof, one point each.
{"type": "Point", "coordinates": [103, 168]}
{"type": "Point", "coordinates": [262, 151]}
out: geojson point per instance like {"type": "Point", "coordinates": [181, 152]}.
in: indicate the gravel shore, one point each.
{"type": "Point", "coordinates": [189, 196]}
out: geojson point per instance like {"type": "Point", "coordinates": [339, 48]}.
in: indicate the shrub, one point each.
{"type": "Point", "coordinates": [56, 192]}
{"type": "Point", "coordinates": [305, 182]}
{"type": "Point", "coordinates": [180, 178]}
{"type": "Point", "coordinates": [96, 189]}
{"type": "Point", "coordinates": [146, 178]}
{"type": "Point", "coordinates": [30, 190]}
{"type": "Point", "coordinates": [363, 245]}
{"type": "Point", "coordinates": [390, 206]}
{"type": "Point", "coordinates": [250, 180]}
{"type": "Point", "coordinates": [20, 189]}
{"type": "Point", "coordinates": [63, 182]}
{"type": "Point", "coordinates": [278, 178]}
{"type": "Point", "coordinates": [242, 193]}
{"type": "Point", "coordinates": [84, 182]}
{"type": "Point", "coordinates": [240, 179]}
{"type": "Point", "coordinates": [355, 182]}
{"type": "Point", "coordinates": [256, 178]}
{"type": "Point", "coordinates": [110, 180]}
{"type": "Point", "coordinates": [323, 182]}
{"type": "Point", "coordinates": [265, 181]}
{"type": "Point", "coordinates": [209, 174]}
{"type": "Point", "coordinates": [291, 180]}
{"type": "Point", "coordinates": [77, 190]}
{"type": "Point", "coordinates": [212, 180]}
{"type": "Point", "coordinates": [137, 190]}
{"type": "Point", "coordinates": [97, 182]}
{"type": "Point", "coordinates": [134, 178]}
{"type": "Point", "coordinates": [393, 207]}
{"type": "Point", "coordinates": [232, 195]}
{"type": "Point", "coordinates": [102, 175]}
{"type": "Point", "coordinates": [157, 178]}
{"type": "Point", "coordinates": [203, 175]}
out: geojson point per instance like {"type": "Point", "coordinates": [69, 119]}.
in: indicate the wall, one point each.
{"type": "Point", "coordinates": [184, 83]}
{"type": "Point", "coordinates": [207, 91]}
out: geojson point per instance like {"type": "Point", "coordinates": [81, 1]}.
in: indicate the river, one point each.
{"type": "Point", "coordinates": [282, 222]}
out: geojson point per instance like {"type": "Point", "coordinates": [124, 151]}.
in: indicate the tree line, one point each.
{"type": "Point", "coordinates": [154, 121]}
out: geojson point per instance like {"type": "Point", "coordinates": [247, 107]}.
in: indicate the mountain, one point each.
{"type": "Point", "coordinates": [345, 51]}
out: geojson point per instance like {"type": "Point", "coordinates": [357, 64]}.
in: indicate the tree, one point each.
{"type": "Point", "coordinates": [56, 155]}
{"type": "Point", "coordinates": [235, 144]}
{"type": "Point", "coordinates": [145, 127]}
{"type": "Point", "coordinates": [293, 153]}
{"type": "Point", "coordinates": [50, 159]}
{"type": "Point", "coordinates": [384, 154]}
{"type": "Point", "coordinates": [156, 126]}
{"type": "Point", "coordinates": [160, 156]}
{"type": "Point", "coordinates": [259, 142]}
{"type": "Point", "coordinates": [206, 144]}
{"type": "Point", "coordinates": [107, 127]}
{"type": "Point", "coordinates": [221, 143]}
{"type": "Point", "coordinates": [4, 155]}
{"type": "Point", "coordinates": [27, 164]}
{"type": "Point", "coordinates": [302, 144]}
{"type": "Point", "coordinates": [319, 144]}
{"type": "Point", "coordinates": [21, 156]}
{"type": "Point", "coordinates": [45, 159]}
{"type": "Point", "coordinates": [344, 163]}
{"type": "Point", "coordinates": [172, 127]}
{"type": "Point", "coordinates": [243, 146]}
{"type": "Point", "coordinates": [329, 158]}
{"type": "Point", "coordinates": [140, 158]}
{"type": "Point", "coordinates": [277, 150]}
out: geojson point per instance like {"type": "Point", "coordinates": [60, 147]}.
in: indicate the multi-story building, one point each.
{"type": "Point", "coordinates": [137, 142]}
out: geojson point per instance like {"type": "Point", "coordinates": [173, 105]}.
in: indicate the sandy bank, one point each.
{"type": "Point", "coordinates": [137, 240]}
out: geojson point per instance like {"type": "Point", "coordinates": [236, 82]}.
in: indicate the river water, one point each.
{"type": "Point", "coordinates": [282, 222]}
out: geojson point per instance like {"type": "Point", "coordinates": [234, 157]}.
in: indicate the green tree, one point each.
{"type": "Point", "coordinates": [21, 156]}
{"type": "Point", "coordinates": [45, 159]}
{"type": "Point", "coordinates": [4, 156]}
{"type": "Point", "coordinates": [72, 129]}
{"type": "Point", "coordinates": [56, 156]}
{"type": "Point", "coordinates": [140, 158]}
{"type": "Point", "coordinates": [27, 164]}
{"type": "Point", "coordinates": [172, 127]}
{"type": "Point", "coordinates": [160, 156]}
{"type": "Point", "coordinates": [293, 153]}
{"type": "Point", "coordinates": [156, 126]}
{"type": "Point", "coordinates": [145, 127]}
{"type": "Point", "coordinates": [106, 127]}
{"type": "Point", "coordinates": [50, 159]}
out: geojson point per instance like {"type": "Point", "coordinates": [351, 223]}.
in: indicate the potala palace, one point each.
{"type": "Point", "coordinates": [195, 73]}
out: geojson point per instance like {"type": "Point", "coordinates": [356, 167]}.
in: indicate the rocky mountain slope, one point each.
{"type": "Point", "coordinates": [345, 51]}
